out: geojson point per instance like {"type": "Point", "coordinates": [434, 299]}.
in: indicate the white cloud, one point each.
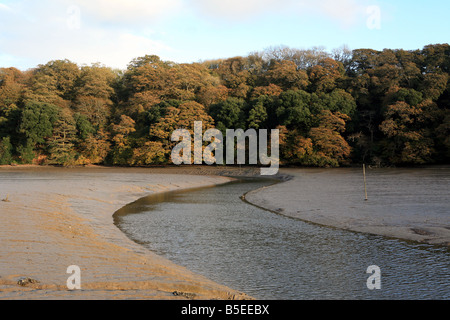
{"type": "Point", "coordinates": [237, 9]}
{"type": "Point", "coordinates": [4, 7]}
{"type": "Point", "coordinates": [37, 33]}
{"type": "Point", "coordinates": [130, 11]}
{"type": "Point", "coordinates": [347, 12]}
{"type": "Point", "coordinates": [344, 11]}
{"type": "Point", "coordinates": [112, 49]}
{"type": "Point", "coordinates": [114, 32]}
{"type": "Point", "coordinates": [85, 46]}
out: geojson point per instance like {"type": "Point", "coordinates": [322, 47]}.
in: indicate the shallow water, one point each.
{"type": "Point", "coordinates": [213, 232]}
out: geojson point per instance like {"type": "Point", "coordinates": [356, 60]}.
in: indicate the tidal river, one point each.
{"type": "Point", "coordinates": [213, 232]}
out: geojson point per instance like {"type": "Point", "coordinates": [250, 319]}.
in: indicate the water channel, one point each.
{"type": "Point", "coordinates": [213, 232]}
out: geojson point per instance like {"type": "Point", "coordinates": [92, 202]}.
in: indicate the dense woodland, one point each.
{"type": "Point", "coordinates": [389, 107]}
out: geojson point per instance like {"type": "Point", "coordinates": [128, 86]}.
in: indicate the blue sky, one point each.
{"type": "Point", "coordinates": [114, 32]}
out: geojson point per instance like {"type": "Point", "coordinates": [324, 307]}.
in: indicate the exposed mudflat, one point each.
{"type": "Point", "coordinates": [410, 204]}
{"type": "Point", "coordinates": [53, 218]}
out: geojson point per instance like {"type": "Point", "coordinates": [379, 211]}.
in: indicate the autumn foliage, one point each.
{"type": "Point", "coordinates": [387, 107]}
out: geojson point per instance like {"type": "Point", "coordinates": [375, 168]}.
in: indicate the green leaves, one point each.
{"type": "Point", "coordinates": [293, 109]}
{"type": "Point", "coordinates": [37, 121]}
{"type": "Point", "coordinates": [6, 151]}
{"type": "Point", "coordinates": [388, 107]}
{"type": "Point", "coordinates": [229, 114]}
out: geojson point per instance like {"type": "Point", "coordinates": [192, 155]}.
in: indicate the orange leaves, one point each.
{"type": "Point", "coordinates": [97, 110]}
{"type": "Point", "coordinates": [323, 146]}
{"type": "Point", "coordinates": [142, 101]}
{"type": "Point", "coordinates": [122, 145]}
{"type": "Point", "coordinates": [333, 121]}
{"type": "Point", "coordinates": [10, 86]}
{"type": "Point", "coordinates": [330, 144]}
{"type": "Point", "coordinates": [182, 117]}
{"type": "Point", "coordinates": [434, 84]}
{"type": "Point", "coordinates": [298, 148]}
{"type": "Point", "coordinates": [407, 128]}
{"type": "Point", "coordinates": [122, 130]}
{"type": "Point", "coordinates": [324, 75]}
{"type": "Point", "coordinates": [327, 137]}
{"type": "Point", "coordinates": [153, 81]}
{"type": "Point", "coordinates": [152, 152]}
{"type": "Point", "coordinates": [210, 94]}
{"type": "Point", "coordinates": [286, 75]}
{"type": "Point", "coordinates": [235, 75]}
{"type": "Point", "coordinates": [270, 90]}
{"type": "Point", "coordinates": [402, 117]}
{"type": "Point", "coordinates": [95, 148]}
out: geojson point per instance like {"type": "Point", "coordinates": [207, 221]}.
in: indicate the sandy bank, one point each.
{"type": "Point", "coordinates": [410, 204]}
{"type": "Point", "coordinates": [57, 217]}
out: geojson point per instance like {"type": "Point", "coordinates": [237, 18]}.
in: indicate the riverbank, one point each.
{"type": "Point", "coordinates": [409, 204]}
{"type": "Point", "coordinates": [53, 218]}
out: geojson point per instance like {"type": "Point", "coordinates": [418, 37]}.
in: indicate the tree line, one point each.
{"type": "Point", "coordinates": [387, 107]}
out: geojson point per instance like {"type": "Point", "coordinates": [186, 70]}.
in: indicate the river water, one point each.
{"type": "Point", "coordinates": [213, 232]}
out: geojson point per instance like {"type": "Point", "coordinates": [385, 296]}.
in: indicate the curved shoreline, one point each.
{"type": "Point", "coordinates": [283, 199]}
{"type": "Point", "coordinates": [50, 225]}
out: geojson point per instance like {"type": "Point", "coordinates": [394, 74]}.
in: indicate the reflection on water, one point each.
{"type": "Point", "coordinates": [214, 233]}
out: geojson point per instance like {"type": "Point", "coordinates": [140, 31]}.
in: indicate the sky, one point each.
{"type": "Point", "coordinates": [114, 32]}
